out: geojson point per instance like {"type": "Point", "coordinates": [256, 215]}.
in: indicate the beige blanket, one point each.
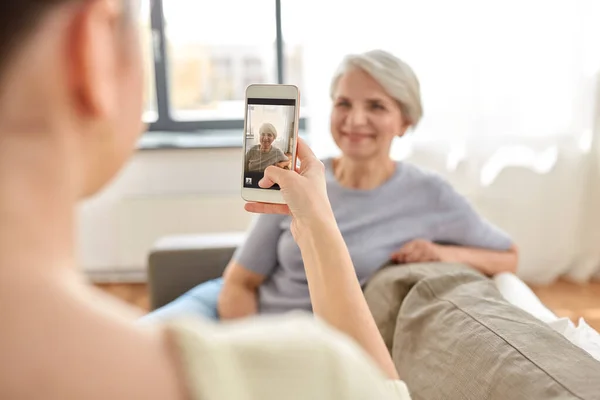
{"type": "Point", "coordinates": [453, 336]}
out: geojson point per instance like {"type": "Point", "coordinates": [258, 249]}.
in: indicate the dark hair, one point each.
{"type": "Point", "coordinates": [19, 18]}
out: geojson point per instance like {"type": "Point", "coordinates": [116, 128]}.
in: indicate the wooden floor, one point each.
{"type": "Point", "coordinates": [132, 293]}
{"type": "Point", "coordinates": [564, 298]}
{"type": "Point", "coordinates": [571, 300]}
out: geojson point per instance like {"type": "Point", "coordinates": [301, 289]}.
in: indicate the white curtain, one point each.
{"type": "Point", "coordinates": [510, 91]}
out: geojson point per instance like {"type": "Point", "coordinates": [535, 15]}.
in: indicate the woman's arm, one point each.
{"type": "Point", "coordinates": [474, 240]}
{"type": "Point", "coordinates": [239, 296]}
{"type": "Point", "coordinates": [252, 263]}
{"type": "Point", "coordinates": [489, 262]}
{"type": "Point", "coordinates": [335, 291]}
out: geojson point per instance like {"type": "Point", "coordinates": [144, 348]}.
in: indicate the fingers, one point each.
{"type": "Point", "coordinates": [264, 208]}
{"type": "Point", "coordinates": [273, 175]}
{"type": "Point", "coordinates": [401, 255]}
{"type": "Point", "coordinates": [414, 257]}
{"type": "Point", "coordinates": [265, 183]}
{"type": "Point", "coordinates": [304, 151]}
{"type": "Point", "coordinates": [309, 163]}
{"type": "Point", "coordinates": [412, 252]}
{"type": "Point", "coordinates": [398, 258]}
{"type": "Point", "coordinates": [419, 255]}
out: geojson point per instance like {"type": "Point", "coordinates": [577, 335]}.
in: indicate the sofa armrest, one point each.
{"type": "Point", "coordinates": [453, 336]}
{"type": "Point", "coordinates": [177, 264]}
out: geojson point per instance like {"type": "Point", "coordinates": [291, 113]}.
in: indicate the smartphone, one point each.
{"type": "Point", "coordinates": [270, 137]}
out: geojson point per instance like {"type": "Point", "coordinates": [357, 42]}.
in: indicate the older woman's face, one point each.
{"type": "Point", "coordinates": [365, 119]}
{"type": "Point", "coordinates": [266, 139]}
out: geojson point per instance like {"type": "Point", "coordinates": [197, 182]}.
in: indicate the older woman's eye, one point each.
{"type": "Point", "coordinates": [343, 104]}
{"type": "Point", "coordinates": [377, 106]}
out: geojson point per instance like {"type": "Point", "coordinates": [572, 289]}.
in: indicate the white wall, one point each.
{"type": "Point", "coordinates": [551, 215]}
{"type": "Point", "coordinates": [160, 192]}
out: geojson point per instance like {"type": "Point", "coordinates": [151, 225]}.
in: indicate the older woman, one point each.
{"type": "Point", "coordinates": [386, 210]}
{"type": "Point", "coordinates": [263, 155]}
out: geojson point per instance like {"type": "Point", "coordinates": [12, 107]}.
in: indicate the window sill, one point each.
{"type": "Point", "coordinates": [205, 139]}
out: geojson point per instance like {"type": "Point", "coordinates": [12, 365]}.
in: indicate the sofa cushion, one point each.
{"type": "Point", "coordinates": [453, 336]}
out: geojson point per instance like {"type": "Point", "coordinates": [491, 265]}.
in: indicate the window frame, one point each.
{"type": "Point", "coordinates": [164, 121]}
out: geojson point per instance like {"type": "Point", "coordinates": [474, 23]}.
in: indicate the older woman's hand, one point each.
{"type": "Point", "coordinates": [418, 251]}
{"type": "Point", "coordinates": [303, 190]}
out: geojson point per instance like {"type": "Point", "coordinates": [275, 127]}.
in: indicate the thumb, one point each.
{"type": "Point", "coordinates": [309, 163]}
{"type": "Point", "coordinates": [273, 175]}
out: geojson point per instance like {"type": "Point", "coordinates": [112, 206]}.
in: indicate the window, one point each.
{"type": "Point", "coordinates": [203, 56]}
{"type": "Point", "coordinates": [293, 20]}
{"type": "Point", "coordinates": [221, 85]}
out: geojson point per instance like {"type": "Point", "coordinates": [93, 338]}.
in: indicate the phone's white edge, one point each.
{"type": "Point", "coordinates": [268, 91]}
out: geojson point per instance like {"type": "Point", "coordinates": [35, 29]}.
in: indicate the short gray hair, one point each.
{"type": "Point", "coordinates": [397, 78]}
{"type": "Point", "coordinates": [267, 128]}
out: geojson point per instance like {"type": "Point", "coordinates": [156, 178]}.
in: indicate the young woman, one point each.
{"type": "Point", "coordinates": [70, 111]}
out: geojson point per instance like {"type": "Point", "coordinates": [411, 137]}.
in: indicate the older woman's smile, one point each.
{"type": "Point", "coordinates": [358, 136]}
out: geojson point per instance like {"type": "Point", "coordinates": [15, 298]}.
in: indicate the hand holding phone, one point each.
{"type": "Point", "coordinates": [305, 192]}
{"type": "Point", "coordinates": [270, 137]}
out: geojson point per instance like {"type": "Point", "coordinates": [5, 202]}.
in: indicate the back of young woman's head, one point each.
{"type": "Point", "coordinates": [18, 19]}
{"type": "Point", "coordinates": [71, 70]}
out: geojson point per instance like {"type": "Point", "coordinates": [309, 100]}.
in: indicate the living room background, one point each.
{"type": "Point", "coordinates": [510, 91]}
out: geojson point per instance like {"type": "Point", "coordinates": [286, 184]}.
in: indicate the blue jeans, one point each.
{"type": "Point", "coordinates": [200, 301]}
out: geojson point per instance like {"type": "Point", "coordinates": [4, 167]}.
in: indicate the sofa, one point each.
{"type": "Point", "coordinates": [450, 332]}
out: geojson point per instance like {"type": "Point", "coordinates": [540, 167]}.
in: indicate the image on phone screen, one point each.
{"type": "Point", "coordinates": [269, 138]}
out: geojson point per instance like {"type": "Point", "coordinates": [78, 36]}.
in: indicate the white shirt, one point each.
{"type": "Point", "coordinates": [291, 357]}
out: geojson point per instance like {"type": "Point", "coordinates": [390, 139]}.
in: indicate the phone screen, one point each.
{"type": "Point", "coordinates": [269, 139]}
